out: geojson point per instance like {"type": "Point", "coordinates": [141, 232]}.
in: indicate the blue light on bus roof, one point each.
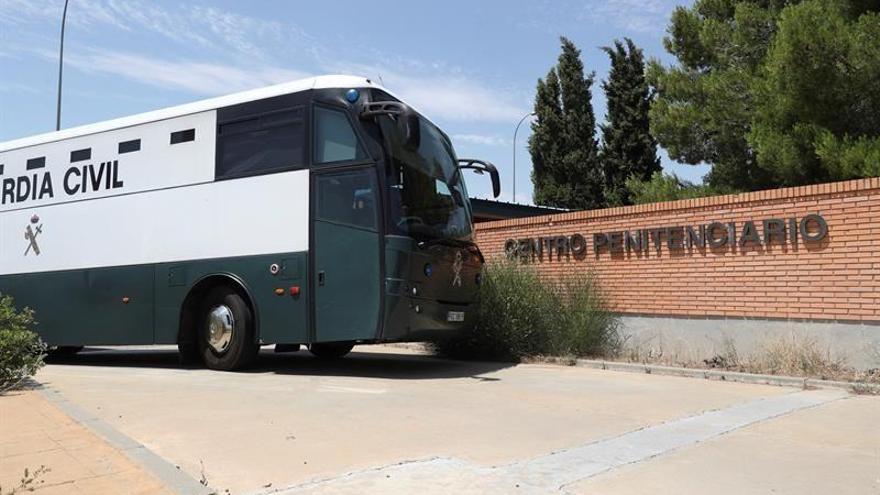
{"type": "Point", "coordinates": [352, 95]}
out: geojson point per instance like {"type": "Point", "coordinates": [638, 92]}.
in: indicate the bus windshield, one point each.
{"type": "Point", "coordinates": [427, 196]}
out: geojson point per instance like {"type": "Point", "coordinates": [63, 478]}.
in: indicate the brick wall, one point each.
{"type": "Point", "coordinates": [836, 278]}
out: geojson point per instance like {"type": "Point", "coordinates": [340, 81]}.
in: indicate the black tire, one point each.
{"type": "Point", "coordinates": [241, 348]}
{"type": "Point", "coordinates": [189, 353]}
{"type": "Point", "coordinates": [65, 350]}
{"type": "Point", "coordinates": [331, 350]}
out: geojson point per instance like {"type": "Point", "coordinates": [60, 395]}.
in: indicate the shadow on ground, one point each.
{"type": "Point", "coordinates": [367, 364]}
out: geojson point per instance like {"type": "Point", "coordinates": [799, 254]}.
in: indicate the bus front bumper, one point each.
{"type": "Point", "coordinates": [415, 319]}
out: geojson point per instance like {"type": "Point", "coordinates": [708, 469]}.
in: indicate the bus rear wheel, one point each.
{"type": "Point", "coordinates": [331, 350]}
{"type": "Point", "coordinates": [227, 339]}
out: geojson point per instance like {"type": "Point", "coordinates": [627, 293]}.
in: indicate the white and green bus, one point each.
{"type": "Point", "coordinates": [323, 212]}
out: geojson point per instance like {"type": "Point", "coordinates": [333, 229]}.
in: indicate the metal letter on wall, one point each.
{"type": "Point", "coordinates": [774, 228]}
{"type": "Point", "coordinates": [749, 234]}
{"type": "Point", "coordinates": [813, 236]}
{"type": "Point", "coordinates": [578, 245]}
{"type": "Point", "coordinates": [599, 241]}
{"type": "Point", "coordinates": [717, 242]}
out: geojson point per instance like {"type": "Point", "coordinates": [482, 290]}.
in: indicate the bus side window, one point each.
{"type": "Point", "coordinates": [348, 198]}
{"type": "Point", "coordinates": [335, 140]}
{"type": "Point", "coordinates": [263, 143]}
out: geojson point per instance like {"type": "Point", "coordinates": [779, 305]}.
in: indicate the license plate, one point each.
{"type": "Point", "coordinates": [455, 316]}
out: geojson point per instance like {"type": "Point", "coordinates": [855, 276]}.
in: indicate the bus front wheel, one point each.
{"type": "Point", "coordinates": [331, 350]}
{"type": "Point", "coordinates": [227, 338]}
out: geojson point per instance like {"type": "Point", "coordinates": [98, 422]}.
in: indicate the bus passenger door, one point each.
{"type": "Point", "coordinates": [345, 251]}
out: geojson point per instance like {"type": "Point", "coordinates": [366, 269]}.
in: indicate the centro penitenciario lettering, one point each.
{"type": "Point", "coordinates": [714, 235]}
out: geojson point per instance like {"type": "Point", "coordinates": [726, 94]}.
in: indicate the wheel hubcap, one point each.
{"type": "Point", "coordinates": [221, 324]}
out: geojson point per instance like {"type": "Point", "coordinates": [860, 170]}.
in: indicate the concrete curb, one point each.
{"type": "Point", "coordinates": [729, 376]}
{"type": "Point", "coordinates": [172, 476]}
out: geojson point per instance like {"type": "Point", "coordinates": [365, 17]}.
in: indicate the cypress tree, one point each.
{"type": "Point", "coordinates": [544, 145]}
{"type": "Point", "coordinates": [628, 148]}
{"type": "Point", "coordinates": [566, 168]}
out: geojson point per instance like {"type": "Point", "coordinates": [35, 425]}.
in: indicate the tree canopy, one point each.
{"type": "Point", "coordinates": [666, 187]}
{"type": "Point", "coordinates": [817, 116]}
{"type": "Point", "coordinates": [771, 92]}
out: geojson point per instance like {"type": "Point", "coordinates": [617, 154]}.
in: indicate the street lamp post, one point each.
{"type": "Point", "coordinates": [60, 68]}
{"type": "Point", "coordinates": [514, 150]}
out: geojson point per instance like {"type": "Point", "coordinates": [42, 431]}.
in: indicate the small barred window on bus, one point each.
{"type": "Point", "coordinates": [270, 142]}
{"type": "Point", "coordinates": [335, 139]}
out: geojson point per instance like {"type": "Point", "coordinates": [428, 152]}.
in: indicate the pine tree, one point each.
{"type": "Point", "coordinates": [628, 149]}
{"type": "Point", "coordinates": [773, 92]}
{"type": "Point", "coordinates": [566, 168]}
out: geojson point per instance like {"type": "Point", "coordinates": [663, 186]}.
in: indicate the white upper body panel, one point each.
{"type": "Point", "coordinates": [266, 214]}
{"type": "Point", "coordinates": [157, 164]}
{"type": "Point", "coordinates": [319, 82]}
{"type": "Point", "coordinates": [157, 204]}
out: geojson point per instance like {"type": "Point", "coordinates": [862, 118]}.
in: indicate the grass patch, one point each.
{"type": "Point", "coordinates": [30, 481]}
{"type": "Point", "coordinates": [521, 315]}
{"type": "Point", "coordinates": [797, 357]}
{"type": "Point", "coordinates": [792, 355]}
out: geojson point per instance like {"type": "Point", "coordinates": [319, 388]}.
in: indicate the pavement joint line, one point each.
{"type": "Point", "coordinates": [726, 376]}
{"type": "Point", "coordinates": [170, 475]}
{"type": "Point", "coordinates": [554, 471]}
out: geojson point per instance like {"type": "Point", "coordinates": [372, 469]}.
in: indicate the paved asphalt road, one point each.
{"type": "Point", "coordinates": [388, 420]}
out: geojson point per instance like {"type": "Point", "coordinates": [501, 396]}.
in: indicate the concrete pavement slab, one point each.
{"type": "Point", "coordinates": [295, 419]}
{"type": "Point", "coordinates": [832, 448]}
{"type": "Point", "coordinates": [554, 472]}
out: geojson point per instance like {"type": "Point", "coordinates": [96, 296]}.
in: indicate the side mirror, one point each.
{"type": "Point", "coordinates": [480, 166]}
{"type": "Point", "coordinates": [411, 129]}
{"type": "Point", "coordinates": [407, 120]}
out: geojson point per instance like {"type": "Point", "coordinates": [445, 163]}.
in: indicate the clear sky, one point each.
{"type": "Point", "coordinates": [471, 66]}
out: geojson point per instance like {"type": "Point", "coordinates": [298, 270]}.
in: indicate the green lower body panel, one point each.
{"type": "Point", "coordinates": [348, 285]}
{"type": "Point", "coordinates": [280, 318]}
{"type": "Point", "coordinates": [96, 306]}
{"type": "Point", "coordinates": [357, 297]}
{"type": "Point", "coordinates": [142, 304]}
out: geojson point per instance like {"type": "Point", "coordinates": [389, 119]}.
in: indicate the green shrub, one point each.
{"type": "Point", "coordinates": [21, 350]}
{"type": "Point", "coordinates": [521, 315]}
{"type": "Point", "coordinates": [590, 329]}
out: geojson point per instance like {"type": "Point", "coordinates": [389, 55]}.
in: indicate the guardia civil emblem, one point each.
{"type": "Point", "coordinates": [456, 269]}
{"type": "Point", "coordinates": [30, 234]}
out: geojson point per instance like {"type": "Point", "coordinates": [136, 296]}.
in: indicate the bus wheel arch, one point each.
{"type": "Point", "coordinates": [192, 307]}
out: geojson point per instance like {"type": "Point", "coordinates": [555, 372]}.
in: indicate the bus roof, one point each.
{"type": "Point", "coordinates": [320, 82]}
